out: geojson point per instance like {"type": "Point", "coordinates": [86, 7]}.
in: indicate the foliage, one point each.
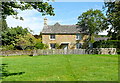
{"type": "Point", "coordinates": [26, 42]}
{"type": "Point", "coordinates": [65, 68]}
{"type": "Point", "coordinates": [113, 15]}
{"type": "Point", "coordinates": [57, 46]}
{"type": "Point", "coordinates": [9, 36]}
{"type": "Point", "coordinates": [19, 38]}
{"type": "Point", "coordinates": [107, 44]}
{"type": "Point", "coordinates": [39, 46]}
{"type": "Point", "coordinates": [85, 45]}
{"type": "Point", "coordinates": [8, 47]}
{"type": "Point", "coordinates": [45, 46]}
{"type": "Point", "coordinates": [3, 25]}
{"type": "Point", "coordinates": [93, 21]}
{"type": "Point", "coordinates": [10, 7]}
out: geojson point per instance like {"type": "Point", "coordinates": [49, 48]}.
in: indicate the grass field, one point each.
{"type": "Point", "coordinates": [60, 68]}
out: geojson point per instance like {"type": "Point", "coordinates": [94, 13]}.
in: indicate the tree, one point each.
{"type": "Point", "coordinates": [93, 21]}
{"type": "Point", "coordinates": [113, 15]}
{"type": "Point", "coordinates": [9, 36]}
{"type": "Point", "coordinates": [10, 7]}
{"type": "Point", "coordinates": [3, 25]}
{"type": "Point", "coordinates": [25, 41]}
{"type": "Point", "coordinates": [28, 41]}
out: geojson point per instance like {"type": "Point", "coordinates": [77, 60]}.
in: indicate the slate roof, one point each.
{"type": "Point", "coordinates": [101, 38]}
{"type": "Point", "coordinates": [62, 29]}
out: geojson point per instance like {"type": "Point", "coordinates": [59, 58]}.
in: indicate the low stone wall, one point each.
{"type": "Point", "coordinates": [110, 51]}
{"type": "Point", "coordinates": [16, 52]}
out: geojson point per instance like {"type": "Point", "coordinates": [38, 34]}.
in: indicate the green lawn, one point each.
{"type": "Point", "coordinates": [60, 68]}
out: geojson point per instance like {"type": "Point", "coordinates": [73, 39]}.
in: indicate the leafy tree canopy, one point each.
{"type": "Point", "coordinates": [3, 25]}
{"type": "Point", "coordinates": [10, 7]}
{"type": "Point", "coordinates": [113, 15]}
{"type": "Point", "coordinates": [25, 41]}
{"type": "Point", "coordinates": [94, 21]}
{"type": "Point", "coordinates": [9, 36]}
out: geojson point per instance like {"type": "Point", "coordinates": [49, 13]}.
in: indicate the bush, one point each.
{"type": "Point", "coordinates": [107, 44]}
{"type": "Point", "coordinates": [39, 45]}
{"type": "Point", "coordinates": [24, 47]}
{"type": "Point", "coordinates": [45, 46]}
{"type": "Point", "coordinates": [8, 47]}
{"type": "Point", "coordinates": [118, 50]}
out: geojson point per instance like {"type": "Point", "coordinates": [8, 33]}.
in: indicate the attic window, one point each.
{"type": "Point", "coordinates": [52, 37]}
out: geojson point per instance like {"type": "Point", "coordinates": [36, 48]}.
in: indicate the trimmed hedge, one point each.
{"type": "Point", "coordinates": [107, 44]}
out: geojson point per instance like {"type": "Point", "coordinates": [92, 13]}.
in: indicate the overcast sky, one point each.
{"type": "Point", "coordinates": [65, 13]}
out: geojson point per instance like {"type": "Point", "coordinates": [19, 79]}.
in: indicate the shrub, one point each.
{"type": "Point", "coordinates": [108, 44]}
{"type": "Point", "coordinates": [118, 50]}
{"type": "Point", "coordinates": [39, 45]}
{"type": "Point", "coordinates": [8, 47]}
{"type": "Point", "coordinates": [45, 46]}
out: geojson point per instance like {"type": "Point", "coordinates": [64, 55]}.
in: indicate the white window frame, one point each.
{"type": "Point", "coordinates": [50, 37]}
{"type": "Point", "coordinates": [78, 37]}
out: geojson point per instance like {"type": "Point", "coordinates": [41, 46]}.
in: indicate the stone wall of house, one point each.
{"type": "Point", "coordinates": [71, 39]}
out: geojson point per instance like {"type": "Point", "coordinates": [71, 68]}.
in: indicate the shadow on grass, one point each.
{"type": "Point", "coordinates": [5, 73]}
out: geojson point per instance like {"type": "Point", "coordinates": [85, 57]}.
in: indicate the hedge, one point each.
{"type": "Point", "coordinates": [107, 44]}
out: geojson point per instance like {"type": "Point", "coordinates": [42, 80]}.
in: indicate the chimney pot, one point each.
{"type": "Point", "coordinates": [45, 21]}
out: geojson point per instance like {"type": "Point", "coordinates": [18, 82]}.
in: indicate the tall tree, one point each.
{"type": "Point", "coordinates": [9, 36]}
{"type": "Point", "coordinates": [10, 7]}
{"type": "Point", "coordinates": [3, 25]}
{"type": "Point", "coordinates": [93, 21]}
{"type": "Point", "coordinates": [113, 14]}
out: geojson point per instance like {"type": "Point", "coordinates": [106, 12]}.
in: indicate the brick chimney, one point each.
{"type": "Point", "coordinates": [45, 21]}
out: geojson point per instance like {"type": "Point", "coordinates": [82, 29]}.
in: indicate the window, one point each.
{"type": "Point", "coordinates": [52, 37]}
{"type": "Point", "coordinates": [90, 45]}
{"type": "Point", "coordinates": [78, 37]}
{"type": "Point", "coordinates": [52, 46]}
{"type": "Point", "coordinates": [78, 45]}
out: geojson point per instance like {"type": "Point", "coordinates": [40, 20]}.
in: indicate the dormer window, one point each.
{"type": "Point", "coordinates": [78, 37]}
{"type": "Point", "coordinates": [52, 37]}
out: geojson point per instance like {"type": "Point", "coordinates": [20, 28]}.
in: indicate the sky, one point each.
{"type": "Point", "coordinates": [66, 13]}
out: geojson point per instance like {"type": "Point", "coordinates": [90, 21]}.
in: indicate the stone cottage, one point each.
{"type": "Point", "coordinates": [63, 36]}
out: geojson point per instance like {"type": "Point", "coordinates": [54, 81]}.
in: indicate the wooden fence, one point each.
{"type": "Point", "coordinates": [59, 51]}
{"type": "Point", "coordinates": [111, 51]}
